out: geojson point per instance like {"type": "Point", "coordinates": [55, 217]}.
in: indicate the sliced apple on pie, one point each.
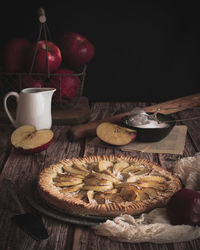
{"type": "Point", "coordinates": [106, 185]}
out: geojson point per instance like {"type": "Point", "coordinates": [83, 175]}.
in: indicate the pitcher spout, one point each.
{"type": "Point", "coordinates": [48, 90]}
{"type": "Point", "coordinates": [38, 90]}
{"type": "Point", "coordinates": [47, 94]}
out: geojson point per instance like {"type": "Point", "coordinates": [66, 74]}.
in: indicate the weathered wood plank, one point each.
{"type": "Point", "coordinates": [5, 145]}
{"type": "Point", "coordinates": [192, 124]}
{"type": "Point", "coordinates": [191, 144]}
{"type": "Point", "coordinates": [22, 169]}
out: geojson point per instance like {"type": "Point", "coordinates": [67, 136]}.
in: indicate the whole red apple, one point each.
{"type": "Point", "coordinates": [76, 49]}
{"type": "Point", "coordinates": [26, 81]}
{"type": "Point", "coordinates": [67, 85]}
{"type": "Point", "coordinates": [184, 208]}
{"type": "Point", "coordinates": [15, 54]}
{"type": "Point", "coordinates": [45, 50]}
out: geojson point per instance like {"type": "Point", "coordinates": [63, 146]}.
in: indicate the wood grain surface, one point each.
{"type": "Point", "coordinates": [24, 168]}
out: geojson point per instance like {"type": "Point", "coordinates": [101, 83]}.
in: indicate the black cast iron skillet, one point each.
{"type": "Point", "coordinates": [151, 134]}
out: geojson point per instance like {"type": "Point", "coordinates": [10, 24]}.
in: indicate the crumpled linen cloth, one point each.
{"type": "Point", "coordinates": [155, 226]}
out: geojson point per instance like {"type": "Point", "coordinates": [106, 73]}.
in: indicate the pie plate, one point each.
{"type": "Point", "coordinates": [40, 205]}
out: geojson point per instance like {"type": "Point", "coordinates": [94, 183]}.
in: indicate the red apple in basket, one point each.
{"type": "Point", "coordinates": [26, 81]}
{"type": "Point", "coordinates": [76, 49]}
{"type": "Point", "coordinates": [29, 140]}
{"type": "Point", "coordinates": [15, 55]}
{"type": "Point", "coordinates": [42, 49]}
{"type": "Point", "coordinates": [67, 85]}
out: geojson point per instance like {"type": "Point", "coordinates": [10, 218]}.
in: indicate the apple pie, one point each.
{"type": "Point", "coordinates": [107, 185]}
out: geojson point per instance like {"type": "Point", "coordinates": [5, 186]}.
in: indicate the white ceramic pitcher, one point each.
{"type": "Point", "coordinates": [33, 107]}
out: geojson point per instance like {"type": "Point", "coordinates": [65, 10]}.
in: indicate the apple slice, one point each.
{"type": "Point", "coordinates": [30, 140]}
{"type": "Point", "coordinates": [114, 134]}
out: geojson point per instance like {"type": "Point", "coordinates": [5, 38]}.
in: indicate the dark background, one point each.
{"type": "Point", "coordinates": [144, 50]}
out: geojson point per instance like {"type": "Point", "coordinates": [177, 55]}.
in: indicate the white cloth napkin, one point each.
{"type": "Point", "coordinates": [155, 226]}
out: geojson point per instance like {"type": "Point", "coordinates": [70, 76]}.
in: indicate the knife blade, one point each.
{"type": "Point", "coordinates": [30, 223]}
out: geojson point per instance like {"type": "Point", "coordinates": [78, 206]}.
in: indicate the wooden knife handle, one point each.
{"type": "Point", "coordinates": [89, 129]}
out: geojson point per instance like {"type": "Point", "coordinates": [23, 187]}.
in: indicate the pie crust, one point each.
{"type": "Point", "coordinates": [107, 185]}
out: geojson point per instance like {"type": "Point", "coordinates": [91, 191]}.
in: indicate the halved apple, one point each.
{"type": "Point", "coordinates": [114, 134]}
{"type": "Point", "coordinates": [30, 140]}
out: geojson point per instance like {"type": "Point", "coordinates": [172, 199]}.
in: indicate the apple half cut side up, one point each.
{"type": "Point", "coordinates": [27, 139]}
{"type": "Point", "coordinates": [114, 134]}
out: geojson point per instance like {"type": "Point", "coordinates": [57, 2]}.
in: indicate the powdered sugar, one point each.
{"type": "Point", "coordinates": [140, 119]}
{"type": "Point", "coordinates": [153, 124]}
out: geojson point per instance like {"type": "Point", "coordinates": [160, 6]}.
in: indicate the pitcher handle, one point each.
{"type": "Point", "coordinates": [6, 108]}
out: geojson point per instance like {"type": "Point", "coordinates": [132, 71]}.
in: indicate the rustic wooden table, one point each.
{"type": "Point", "coordinates": [22, 169]}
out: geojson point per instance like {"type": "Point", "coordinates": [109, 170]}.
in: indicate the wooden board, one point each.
{"type": "Point", "coordinates": [75, 115]}
{"type": "Point", "coordinates": [176, 105]}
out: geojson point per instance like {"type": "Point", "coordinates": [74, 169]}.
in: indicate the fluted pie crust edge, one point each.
{"type": "Point", "coordinates": [67, 202]}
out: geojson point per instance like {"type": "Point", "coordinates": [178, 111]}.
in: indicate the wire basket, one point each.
{"type": "Point", "coordinates": [16, 81]}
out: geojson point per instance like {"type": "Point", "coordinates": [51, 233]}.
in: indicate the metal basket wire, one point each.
{"type": "Point", "coordinates": [14, 81]}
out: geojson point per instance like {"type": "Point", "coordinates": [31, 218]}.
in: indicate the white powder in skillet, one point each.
{"type": "Point", "coordinates": [153, 124]}
{"type": "Point", "coordinates": [140, 119]}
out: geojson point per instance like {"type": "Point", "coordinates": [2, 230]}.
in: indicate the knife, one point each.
{"type": "Point", "coordinates": [29, 222]}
